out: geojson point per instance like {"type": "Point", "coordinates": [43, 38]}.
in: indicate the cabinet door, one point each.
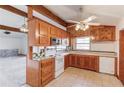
{"type": "Point", "coordinates": [73, 60]}
{"type": "Point", "coordinates": [107, 33]}
{"type": "Point", "coordinates": [93, 65]}
{"type": "Point", "coordinates": [34, 31]}
{"type": "Point", "coordinates": [79, 61]}
{"type": "Point", "coordinates": [47, 72]}
{"type": "Point", "coordinates": [44, 28]}
{"type": "Point", "coordinates": [95, 34]}
{"type": "Point", "coordinates": [64, 34]}
{"type": "Point", "coordinates": [86, 62]}
{"type": "Point", "coordinates": [44, 41]}
{"type": "Point", "coordinates": [53, 31]}
{"type": "Point", "coordinates": [66, 61]}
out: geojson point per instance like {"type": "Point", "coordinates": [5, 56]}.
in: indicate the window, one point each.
{"type": "Point", "coordinates": [83, 43]}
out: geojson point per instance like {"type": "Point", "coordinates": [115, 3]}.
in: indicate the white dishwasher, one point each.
{"type": "Point", "coordinates": [59, 65]}
{"type": "Point", "coordinates": [107, 65]}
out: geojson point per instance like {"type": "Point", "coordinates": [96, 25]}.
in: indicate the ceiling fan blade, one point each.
{"type": "Point", "coordinates": [95, 24]}
{"type": "Point", "coordinates": [72, 21]}
{"type": "Point", "coordinates": [89, 19]}
{"type": "Point", "coordinates": [71, 26]}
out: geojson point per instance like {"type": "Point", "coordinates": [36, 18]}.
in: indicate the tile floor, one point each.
{"type": "Point", "coordinates": [74, 77]}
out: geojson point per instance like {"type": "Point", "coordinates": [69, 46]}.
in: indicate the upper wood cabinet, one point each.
{"type": "Point", "coordinates": [34, 32]}
{"type": "Point", "coordinates": [107, 33]}
{"type": "Point", "coordinates": [53, 31]}
{"type": "Point", "coordinates": [79, 33]}
{"type": "Point", "coordinates": [40, 33]}
{"type": "Point", "coordinates": [98, 33]}
{"type": "Point", "coordinates": [57, 32]}
{"type": "Point", "coordinates": [95, 33]}
{"type": "Point", "coordinates": [102, 33]}
{"type": "Point", "coordinates": [44, 28]}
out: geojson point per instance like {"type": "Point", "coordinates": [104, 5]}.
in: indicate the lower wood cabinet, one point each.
{"type": "Point", "coordinates": [82, 61]}
{"type": "Point", "coordinates": [40, 73]}
{"type": "Point", "coordinates": [47, 71]}
{"type": "Point", "coordinates": [66, 61]}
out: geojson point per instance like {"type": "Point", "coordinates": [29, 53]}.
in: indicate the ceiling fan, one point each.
{"type": "Point", "coordinates": [83, 24]}
{"type": "Point", "coordinates": [24, 27]}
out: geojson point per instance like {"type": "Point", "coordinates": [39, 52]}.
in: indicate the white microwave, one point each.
{"type": "Point", "coordinates": [56, 41]}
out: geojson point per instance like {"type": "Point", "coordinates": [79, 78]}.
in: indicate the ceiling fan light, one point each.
{"type": "Point", "coordinates": [87, 26]}
{"type": "Point", "coordinates": [77, 27]}
{"type": "Point", "coordinates": [24, 28]}
{"type": "Point", "coordinates": [84, 29]}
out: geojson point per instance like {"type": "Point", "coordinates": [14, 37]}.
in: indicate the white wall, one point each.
{"type": "Point", "coordinates": [104, 46]}
{"type": "Point", "coordinates": [14, 43]}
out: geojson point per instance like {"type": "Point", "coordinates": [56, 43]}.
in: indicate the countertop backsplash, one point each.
{"type": "Point", "coordinates": [39, 52]}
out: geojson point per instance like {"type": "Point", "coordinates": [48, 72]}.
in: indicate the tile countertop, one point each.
{"type": "Point", "coordinates": [43, 58]}
{"type": "Point", "coordinates": [101, 54]}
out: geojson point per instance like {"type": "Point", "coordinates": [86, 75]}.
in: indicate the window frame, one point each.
{"type": "Point", "coordinates": [83, 43]}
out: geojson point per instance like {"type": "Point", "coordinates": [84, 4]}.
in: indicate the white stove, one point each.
{"type": "Point", "coordinates": [59, 65]}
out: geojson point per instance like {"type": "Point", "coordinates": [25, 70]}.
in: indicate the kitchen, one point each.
{"type": "Point", "coordinates": [71, 46]}
{"type": "Point", "coordinates": [59, 50]}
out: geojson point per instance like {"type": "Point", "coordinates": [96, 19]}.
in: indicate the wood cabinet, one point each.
{"type": "Point", "coordinates": [47, 71]}
{"type": "Point", "coordinates": [44, 41]}
{"type": "Point", "coordinates": [53, 31]}
{"type": "Point", "coordinates": [66, 61]}
{"type": "Point", "coordinates": [38, 33]}
{"type": "Point", "coordinates": [44, 28]}
{"type": "Point", "coordinates": [34, 31]}
{"type": "Point", "coordinates": [103, 33]}
{"type": "Point", "coordinates": [73, 60]}
{"type": "Point", "coordinates": [40, 73]}
{"type": "Point", "coordinates": [94, 63]}
{"type": "Point", "coordinates": [107, 33]}
{"type": "Point", "coordinates": [89, 62]}
{"type": "Point", "coordinates": [97, 33]}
